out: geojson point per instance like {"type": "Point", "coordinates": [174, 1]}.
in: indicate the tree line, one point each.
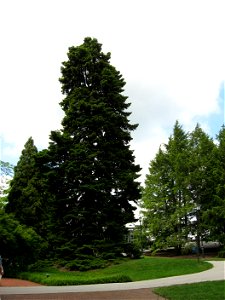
{"type": "Point", "coordinates": [70, 203]}
{"type": "Point", "coordinates": [184, 193]}
{"type": "Point", "coordinates": [73, 199]}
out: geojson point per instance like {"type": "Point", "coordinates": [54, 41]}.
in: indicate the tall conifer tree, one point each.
{"type": "Point", "coordinates": [19, 194]}
{"type": "Point", "coordinates": [27, 198]}
{"type": "Point", "coordinates": [93, 174]}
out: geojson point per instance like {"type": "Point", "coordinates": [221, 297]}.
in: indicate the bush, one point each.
{"type": "Point", "coordinates": [188, 248]}
{"type": "Point", "coordinates": [41, 265]}
{"type": "Point", "coordinates": [20, 246]}
{"type": "Point", "coordinates": [85, 264]}
{"type": "Point", "coordinates": [109, 256]}
{"type": "Point", "coordinates": [132, 250]}
{"type": "Point", "coordinates": [221, 253]}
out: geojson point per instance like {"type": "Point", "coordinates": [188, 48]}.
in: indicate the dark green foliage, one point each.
{"type": "Point", "coordinates": [43, 265]}
{"type": "Point", "coordinates": [92, 175]}
{"type": "Point", "coordinates": [86, 263]}
{"type": "Point", "coordinates": [78, 193]}
{"type": "Point", "coordinates": [221, 253]}
{"type": "Point", "coordinates": [20, 245]}
{"type": "Point", "coordinates": [20, 194]}
{"type": "Point", "coordinates": [132, 250]}
{"type": "Point", "coordinates": [27, 194]}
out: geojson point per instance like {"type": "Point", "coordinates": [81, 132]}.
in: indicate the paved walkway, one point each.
{"type": "Point", "coordinates": [216, 273]}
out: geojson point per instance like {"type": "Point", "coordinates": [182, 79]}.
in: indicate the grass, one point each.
{"type": "Point", "coordinates": [202, 291]}
{"type": "Point", "coordinates": [132, 270]}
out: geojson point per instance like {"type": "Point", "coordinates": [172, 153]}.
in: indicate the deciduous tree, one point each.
{"type": "Point", "coordinates": [202, 183]}
{"type": "Point", "coordinates": [214, 214]}
{"type": "Point", "coordinates": [165, 197]}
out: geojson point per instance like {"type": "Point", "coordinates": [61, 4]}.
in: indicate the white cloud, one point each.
{"type": "Point", "coordinates": [170, 53]}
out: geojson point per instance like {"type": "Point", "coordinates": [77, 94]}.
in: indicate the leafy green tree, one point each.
{"type": "Point", "coordinates": [155, 200]}
{"type": "Point", "coordinates": [214, 215]}
{"type": "Point", "coordinates": [3, 199]}
{"type": "Point", "coordinates": [20, 245]}
{"type": "Point", "coordinates": [92, 174]}
{"type": "Point", "coordinates": [165, 196]}
{"type": "Point", "coordinates": [178, 150]}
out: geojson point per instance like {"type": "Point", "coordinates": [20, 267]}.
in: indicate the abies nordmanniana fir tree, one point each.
{"type": "Point", "coordinates": [93, 174]}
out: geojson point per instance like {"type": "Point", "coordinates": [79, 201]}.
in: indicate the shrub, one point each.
{"type": "Point", "coordinates": [132, 250]}
{"type": "Point", "coordinates": [85, 264]}
{"type": "Point", "coordinates": [20, 246]}
{"type": "Point", "coordinates": [40, 265]}
{"type": "Point", "coordinates": [221, 253]}
{"type": "Point", "coordinates": [188, 248]}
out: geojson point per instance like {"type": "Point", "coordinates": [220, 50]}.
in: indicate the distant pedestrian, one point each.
{"type": "Point", "coordinates": [1, 268]}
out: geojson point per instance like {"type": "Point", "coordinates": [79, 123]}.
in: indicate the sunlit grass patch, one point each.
{"type": "Point", "coordinates": [130, 270]}
{"type": "Point", "coordinates": [211, 290]}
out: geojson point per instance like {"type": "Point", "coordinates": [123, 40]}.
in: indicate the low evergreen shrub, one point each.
{"type": "Point", "coordinates": [221, 253]}
{"type": "Point", "coordinates": [41, 265]}
{"type": "Point", "coordinates": [85, 264]}
{"type": "Point", "coordinates": [133, 251]}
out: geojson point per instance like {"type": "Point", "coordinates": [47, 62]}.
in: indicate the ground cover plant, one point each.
{"type": "Point", "coordinates": [202, 291]}
{"type": "Point", "coordinates": [123, 271]}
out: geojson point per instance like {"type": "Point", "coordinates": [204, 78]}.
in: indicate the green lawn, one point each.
{"type": "Point", "coordinates": [211, 290]}
{"type": "Point", "coordinates": [132, 270]}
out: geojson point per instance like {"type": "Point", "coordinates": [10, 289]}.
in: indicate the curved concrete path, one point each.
{"type": "Point", "coordinates": [215, 273]}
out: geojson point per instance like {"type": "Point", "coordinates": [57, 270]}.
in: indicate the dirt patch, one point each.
{"type": "Point", "coordinates": [16, 282]}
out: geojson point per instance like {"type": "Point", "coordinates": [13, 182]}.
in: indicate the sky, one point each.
{"type": "Point", "coordinates": [171, 55]}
